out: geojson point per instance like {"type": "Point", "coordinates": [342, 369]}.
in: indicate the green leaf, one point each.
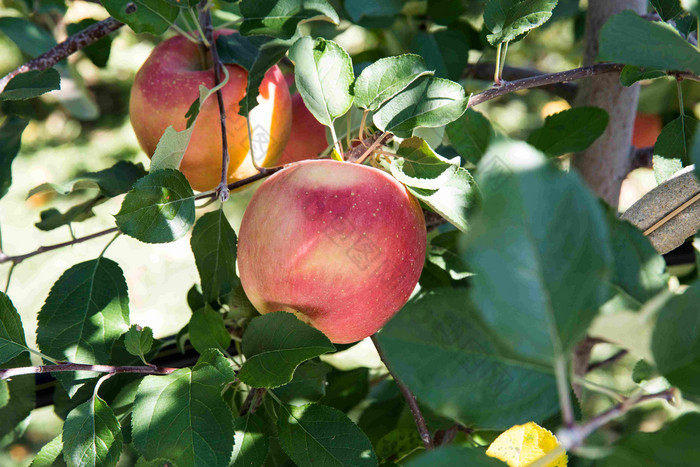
{"type": "Point", "coordinates": [151, 16]}
{"type": "Point", "coordinates": [274, 345]}
{"type": "Point", "coordinates": [4, 393]}
{"type": "Point", "coordinates": [317, 435]}
{"type": "Point", "coordinates": [188, 402]}
{"type": "Point", "coordinates": [439, 342]}
{"type": "Point", "coordinates": [138, 341]}
{"type": "Point", "coordinates": [92, 435]}
{"type": "Point", "coordinates": [31, 84]}
{"type": "Point", "coordinates": [443, 253]}
{"type": "Point", "coordinates": [208, 331]}
{"type": "Point", "coordinates": [159, 209]}
{"type": "Point", "coordinates": [10, 142]}
{"type": "Point", "coordinates": [308, 384]}
{"type": "Point", "coordinates": [446, 51]}
{"type": "Point", "coordinates": [84, 315]}
{"type": "Point", "coordinates": [454, 455]}
{"type": "Point", "coordinates": [507, 19]}
{"type": "Point", "coordinates": [98, 52]}
{"type": "Point", "coordinates": [673, 147]}
{"type": "Point", "coordinates": [50, 455]}
{"type": "Point", "coordinates": [695, 152]}
{"type": "Point", "coordinates": [643, 371]}
{"type": "Point", "coordinates": [525, 245]}
{"type": "Point", "coordinates": [12, 341]}
{"type": "Point", "coordinates": [427, 102]}
{"type": "Point", "coordinates": [630, 74]}
{"type": "Point", "coordinates": [470, 135]}
{"type": "Point", "coordinates": [571, 130]}
{"type": "Point", "coordinates": [675, 444]}
{"type": "Point", "coordinates": [676, 341]}
{"type": "Point", "coordinates": [385, 78]}
{"type": "Point", "coordinates": [441, 184]}
{"type": "Point", "coordinates": [324, 77]}
{"type": "Point", "coordinates": [630, 39]}
{"type": "Point", "coordinates": [214, 246]}
{"type": "Point", "coordinates": [252, 440]}
{"type": "Point", "coordinates": [52, 218]}
{"type": "Point", "coordinates": [280, 18]}
{"type": "Point", "coordinates": [362, 10]}
{"type": "Point", "coordinates": [29, 37]}
{"type": "Point", "coordinates": [22, 394]}
{"type": "Point", "coordinates": [667, 9]}
{"type": "Point", "coordinates": [111, 182]}
{"type": "Point", "coordinates": [346, 389]}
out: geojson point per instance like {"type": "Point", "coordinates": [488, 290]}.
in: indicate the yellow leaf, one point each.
{"type": "Point", "coordinates": [521, 445]}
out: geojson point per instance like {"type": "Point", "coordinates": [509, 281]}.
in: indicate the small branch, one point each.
{"type": "Point", "coordinates": [32, 370]}
{"type": "Point", "coordinates": [71, 45]}
{"type": "Point", "coordinates": [252, 401]}
{"type": "Point", "coordinates": [410, 398]}
{"type": "Point", "coordinates": [641, 157]}
{"type": "Point", "coordinates": [608, 361]}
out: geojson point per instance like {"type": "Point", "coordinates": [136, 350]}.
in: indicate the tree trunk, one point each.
{"type": "Point", "coordinates": [606, 163]}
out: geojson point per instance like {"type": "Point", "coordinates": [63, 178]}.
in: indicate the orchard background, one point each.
{"type": "Point", "coordinates": [535, 303]}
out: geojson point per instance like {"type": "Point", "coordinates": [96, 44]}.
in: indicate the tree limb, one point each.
{"type": "Point", "coordinates": [7, 373]}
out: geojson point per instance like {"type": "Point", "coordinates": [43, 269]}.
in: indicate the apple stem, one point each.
{"type": "Point", "coordinates": [410, 398]}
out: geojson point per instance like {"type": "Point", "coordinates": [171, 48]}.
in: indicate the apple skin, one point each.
{"type": "Point", "coordinates": [168, 83]}
{"type": "Point", "coordinates": [647, 128]}
{"type": "Point", "coordinates": [339, 244]}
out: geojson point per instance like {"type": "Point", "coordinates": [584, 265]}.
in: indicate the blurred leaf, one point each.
{"type": "Point", "coordinates": [676, 341]}
{"type": "Point", "coordinates": [4, 393]}
{"type": "Point", "coordinates": [92, 435]}
{"type": "Point", "coordinates": [308, 384]}
{"type": "Point", "coordinates": [83, 316]}
{"type": "Point", "coordinates": [75, 97]}
{"type": "Point", "coordinates": [427, 102]}
{"type": "Point", "coordinates": [50, 455]}
{"type": "Point", "coordinates": [439, 343]}
{"type": "Point", "coordinates": [385, 78]}
{"type": "Point", "coordinates": [667, 9]}
{"type": "Point", "coordinates": [188, 401]}
{"type": "Point", "coordinates": [52, 218]}
{"type": "Point", "coordinates": [317, 435]}
{"type": "Point", "coordinates": [280, 18]}
{"type": "Point", "coordinates": [675, 444]}
{"type": "Point", "coordinates": [324, 77]}
{"type": "Point", "coordinates": [138, 341]}
{"type": "Point", "coordinates": [454, 455]}
{"type": "Point", "coordinates": [686, 22]}
{"type": "Point", "coordinates": [111, 182]}
{"type": "Point", "coordinates": [98, 52]}
{"type": "Point", "coordinates": [443, 252]}
{"type": "Point", "coordinates": [29, 37]}
{"type": "Point", "coordinates": [569, 131]}
{"type": "Point", "coordinates": [360, 11]}
{"type": "Point", "coordinates": [346, 389]}
{"type": "Point", "coordinates": [695, 152]}
{"type": "Point", "coordinates": [214, 247]}
{"type": "Point", "coordinates": [252, 440]}
{"type": "Point", "coordinates": [151, 16]}
{"type": "Point", "coordinates": [630, 39]}
{"type": "Point", "coordinates": [382, 416]}
{"type": "Point", "coordinates": [399, 443]}
{"type": "Point", "coordinates": [673, 147]}
{"type": "Point", "coordinates": [470, 135]}
{"type": "Point", "coordinates": [274, 345]}
{"type": "Point", "coordinates": [10, 142]}
{"type": "Point", "coordinates": [643, 371]}
{"type": "Point", "coordinates": [158, 209]}
{"type": "Point", "coordinates": [31, 84]}
{"type": "Point", "coordinates": [537, 273]}
{"type": "Point", "coordinates": [630, 74]}
{"type": "Point", "coordinates": [208, 331]}
{"type": "Point", "coordinates": [508, 19]}
{"type": "Point", "coordinates": [446, 51]}
{"type": "Point", "coordinates": [12, 341]}
{"type": "Point", "coordinates": [523, 445]}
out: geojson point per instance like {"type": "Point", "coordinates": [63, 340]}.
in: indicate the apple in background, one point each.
{"type": "Point", "coordinates": [168, 83]}
{"type": "Point", "coordinates": [647, 128]}
{"type": "Point", "coordinates": [339, 244]}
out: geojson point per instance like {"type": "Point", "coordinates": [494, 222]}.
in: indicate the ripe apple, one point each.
{"type": "Point", "coordinates": [647, 128]}
{"type": "Point", "coordinates": [339, 244]}
{"type": "Point", "coordinates": [168, 83]}
{"type": "Point", "coordinates": [309, 134]}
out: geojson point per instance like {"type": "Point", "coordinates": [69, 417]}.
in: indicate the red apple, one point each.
{"type": "Point", "coordinates": [168, 83]}
{"type": "Point", "coordinates": [647, 128]}
{"type": "Point", "coordinates": [339, 244]}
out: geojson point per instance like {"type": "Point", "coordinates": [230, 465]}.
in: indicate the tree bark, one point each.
{"type": "Point", "coordinates": [606, 163]}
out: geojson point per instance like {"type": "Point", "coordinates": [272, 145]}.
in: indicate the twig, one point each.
{"type": "Point", "coordinates": [410, 398]}
{"type": "Point", "coordinates": [617, 356]}
{"type": "Point", "coordinates": [71, 45]}
{"type": "Point", "coordinates": [32, 370]}
{"type": "Point", "coordinates": [252, 401]}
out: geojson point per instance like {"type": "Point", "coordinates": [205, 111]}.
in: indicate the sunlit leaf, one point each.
{"type": "Point", "coordinates": [385, 78]}
{"type": "Point", "coordinates": [522, 445]}
{"type": "Point", "coordinates": [92, 435]}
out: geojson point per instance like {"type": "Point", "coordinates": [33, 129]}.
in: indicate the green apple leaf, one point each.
{"type": "Point", "coordinates": [454, 455]}
{"type": "Point", "coordinates": [470, 135]}
{"type": "Point", "coordinates": [208, 331]}
{"type": "Point", "coordinates": [214, 247]}
{"type": "Point", "coordinates": [695, 152]}
{"type": "Point", "coordinates": [10, 142]}
{"type": "Point", "coordinates": [50, 455]}
{"type": "Point", "coordinates": [308, 384]}
{"type": "Point", "coordinates": [92, 435]}
{"type": "Point", "coordinates": [159, 209]}
{"type": "Point", "coordinates": [643, 371]}
{"type": "Point", "coordinates": [315, 435]}
{"type": "Point", "coordinates": [667, 9]}
{"type": "Point", "coordinates": [31, 84]}
{"type": "Point", "coordinates": [324, 77]}
{"type": "Point", "coordinates": [525, 245]}
{"type": "Point", "coordinates": [252, 441]}
{"type": "Point", "coordinates": [12, 341]}
{"type": "Point", "coordinates": [630, 39]}
{"type": "Point", "coordinates": [274, 345]}
{"type": "Point", "coordinates": [373, 15]}
{"type": "Point", "coordinates": [151, 16]}
{"type": "Point", "coordinates": [280, 18]}
{"type": "Point", "coordinates": [508, 19]}
{"type": "Point", "coordinates": [427, 102]}
{"type": "Point", "coordinates": [52, 218]}
{"type": "Point", "coordinates": [346, 389]}
{"type": "Point", "coordinates": [440, 342]}
{"type": "Point", "coordinates": [676, 341]}
{"type": "Point", "coordinates": [446, 51]}
{"type": "Point", "coordinates": [675, 444]}
{"type": "Point", "coordinates": [138, 341]}
{"type": "Point", "coordinates": [569, 131]}
{"type": "Point", "coordinates": [187, 401]}
{"type": "Point", "coordinates": [98, 52]}
{"type": "Point", "coordinates": [4, 393]}
{"type": "Point", "coordinates": [385, 78]}
{"type": "Point", "coordinates": [630, 74]}
{"type": "Point", "coordinates": [28, 36]}
{"type": "Point", "coordinates": [673, 147]}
